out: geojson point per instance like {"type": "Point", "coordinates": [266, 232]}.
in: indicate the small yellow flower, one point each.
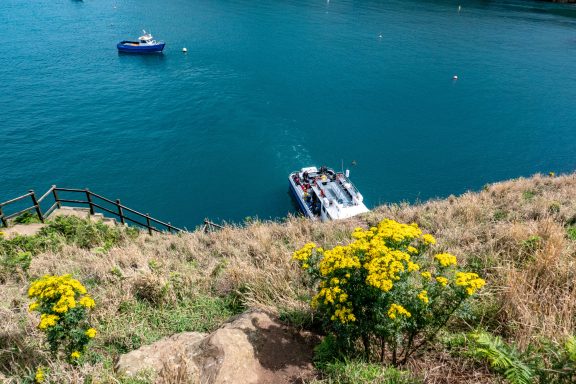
{"type": "Point", "coordinates": [413, 266]}
{"type": "Point", "coordinates": [87, 302]}
{"type": "Point", "coordinates": [442, 280]}
{"type": "Point", "coordinates": [47, 321]}
{"type": "Point", "coordinates": [397, 309]}
{"type": "Point", "coordinates": [39, 377]}
{"type": "Point", "coordinates": [428, 239]}
{"type": "Point", "coordinates": [426, 275]}
{"type": "Point", "coordinates": [423, 296]}
{"type": "Point", "coordinates": [469, 280]}
{"type": "Point", "coordinates": [90, 332]}
{"type": "Point", "coordinates": [446, 259]}
{"type": "Point", "coordinates": [33, 306]}
{"type": "Point", "coordinates": [75, 355]}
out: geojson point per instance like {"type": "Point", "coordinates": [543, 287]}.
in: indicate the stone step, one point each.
{"type": "Point", "coordinates": [22, 229]}
{"type": "Point", "coordinates": [82, 213]}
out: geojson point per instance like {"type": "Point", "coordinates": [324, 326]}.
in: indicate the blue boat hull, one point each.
{"type": "Point", "coordinates": [125, 47]}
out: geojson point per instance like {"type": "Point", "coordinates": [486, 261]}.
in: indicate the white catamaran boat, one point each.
{"type": "Point", "coordinates": [326, 195]}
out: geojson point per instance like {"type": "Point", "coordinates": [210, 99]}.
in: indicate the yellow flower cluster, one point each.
{"type": "Point", "coordinates": [428, 239]}
{"type": "Point", "coordinates": [343, 313]}
{"type": "Point", "coordinates": [39, 377]}
{"type": "Point", "coordinates": [442, 281]}
{"type": "Point", "coordinates": [423, 296]}
{"type": "Point", "coordinates": [397, 232]}
{"type": "Point", "coordinates": [90, 332]}
{"type": "Point", "coordinates": [75, 355]}
{"type": "Point", "coordinates": [446, 259]}
{"type": "Point", "coordinates": [338, 258]}
{"type": "Point", "coordinates": [413, 267]}
{"type": "Point", "coordinates": [397, 309]}
{"type": "Point", "coordinates": [427, 275]}
{"type": "Point", "coordinates": [303, 255]}
{"type": "Point", "coordinates": [47, 321]}
{"type": "Point", "coordinates": [329, 295]}
{"type": "Point", "coordinates": [87, 302]}
{"type": "Point", "coordinates": [384, 270]}
{"type": "Point", "coordinates": [469, 280]}
{"type": "Point", "coordinates": [59, 290]}
{"type": "Point", "coordinates": [336, 298]}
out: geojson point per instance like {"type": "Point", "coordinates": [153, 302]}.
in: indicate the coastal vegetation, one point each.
{"type": "Point", "coordinates": [518, 236]}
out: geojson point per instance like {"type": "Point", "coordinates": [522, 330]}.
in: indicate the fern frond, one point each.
{"type": "Point", "coordinates": [502, 357]}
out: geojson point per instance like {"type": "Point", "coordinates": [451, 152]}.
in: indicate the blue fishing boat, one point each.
{"type": "Point", "coordinates": [145, 44]}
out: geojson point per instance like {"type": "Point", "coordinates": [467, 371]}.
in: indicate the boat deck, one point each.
{"type": "Point", "coordinates": [327, 190]}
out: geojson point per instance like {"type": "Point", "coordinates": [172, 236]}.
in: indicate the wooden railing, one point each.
{"type": "Point", "coordinates": [35, 206]}
{"type": "Point", "coordinates": [93, 201]}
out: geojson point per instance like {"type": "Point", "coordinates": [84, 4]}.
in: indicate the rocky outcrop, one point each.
{"type": "Point", "coordinates": [253, 348]}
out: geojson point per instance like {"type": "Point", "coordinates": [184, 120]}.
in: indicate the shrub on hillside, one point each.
{"type": "Point", "coordinates": [382, 289]}
{"type": "Point", "coordinates": [63, 305]}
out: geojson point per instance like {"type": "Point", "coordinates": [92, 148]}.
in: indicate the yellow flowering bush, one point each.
{"type": "Point", "coordinates": [64, 307]}
{"type": "Point", "coordinates": [384, 287]}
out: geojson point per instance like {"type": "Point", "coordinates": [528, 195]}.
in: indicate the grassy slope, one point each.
{"type": "Point", "coordinates": [515, 233]}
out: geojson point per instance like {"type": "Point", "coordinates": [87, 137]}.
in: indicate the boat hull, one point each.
{"type": "Point", "coordinates": [129, 47]}
{"type": "Point", "coordinates": [299, 199]}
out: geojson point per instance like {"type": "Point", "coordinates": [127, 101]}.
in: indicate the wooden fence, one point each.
{"type": "Point", "coordinates": [85, 197]}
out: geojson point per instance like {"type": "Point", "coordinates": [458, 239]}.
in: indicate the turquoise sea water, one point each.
{"type": "Point", "coordinates": [270, 86]}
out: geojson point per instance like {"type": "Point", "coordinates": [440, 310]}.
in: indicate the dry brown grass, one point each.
{"type": "Point", "coordinates": [513, 233]}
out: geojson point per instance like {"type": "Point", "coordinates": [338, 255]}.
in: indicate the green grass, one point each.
{"type": "Point", "coordinates": [528, 195]}
{"type": "Point", "coordinates": [138, 323]}
{"type": "Point", "coordinates": [358, 372]}
{"type": "Point", "coordinates": [571, 232]}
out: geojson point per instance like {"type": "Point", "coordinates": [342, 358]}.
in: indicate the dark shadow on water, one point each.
{"type": "Point", "coordinates": [145, 58]}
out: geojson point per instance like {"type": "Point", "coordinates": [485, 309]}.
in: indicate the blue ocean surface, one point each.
{"type": "Point", "coordinates": [268, 87]}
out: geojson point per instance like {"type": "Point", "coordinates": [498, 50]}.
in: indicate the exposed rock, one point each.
{"type": "Point", "coordinates": [251, 349]}
{"type": "Point", "coordinates": [166, 352]}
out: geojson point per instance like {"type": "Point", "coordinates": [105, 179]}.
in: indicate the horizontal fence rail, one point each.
{"type": "Point", "coordinates": [85, 197]}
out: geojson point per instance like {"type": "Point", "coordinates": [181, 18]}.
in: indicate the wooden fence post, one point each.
{"type": "Point", "coordinates": [36, 205]}
{"type": "Point", "coordinates": [89, 198]}
{"type": "Point", "coordinates": [4, 221]}
{"type": "Point", "coordinates": [148, 224]}
{"type": "Point", "coordinates": [120, 211]}
{"type": "Point", "coordinates": [56, 197]}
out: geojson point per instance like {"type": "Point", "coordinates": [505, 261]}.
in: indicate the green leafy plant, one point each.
{"type": "Point", "coordinates": [64, 306]}
{"type": "Point", "coordinates": [26, 218]}
{"type": "Point", "coordinates": [532, 243]}
{"type": "Point", "coordinates": [502, 357]}
{"type": "Point", "coordinates": [528, 194]}
{"type": "Point", "coordinates": [543, 362]}
{"type": "Point", "coordinates": [571, 232]}
{"type": "Point", "coordinates": [553, 362]}
{"type": "Point", "coordinates": [383, 290]}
